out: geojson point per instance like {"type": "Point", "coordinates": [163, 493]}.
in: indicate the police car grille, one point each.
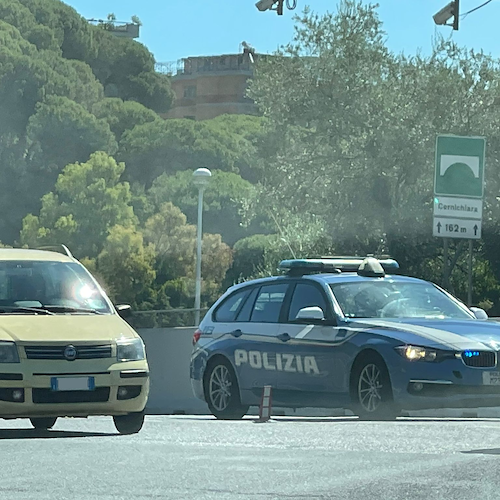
{"type": "Point", "coordinates": [57, 352]}
{"type": "Point", "coordinates": [47, 396]}
{"type": "Point", "coordinates": [484, 359]}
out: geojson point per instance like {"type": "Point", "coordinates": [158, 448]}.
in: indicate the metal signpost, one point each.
{"type": "Point", "coordinates": [458, 192]}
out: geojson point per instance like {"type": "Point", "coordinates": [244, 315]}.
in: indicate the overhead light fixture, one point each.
{"type": "Point", "coordinates": [264, 5]}
{"type": "Point", "coordinates": [452, 10]}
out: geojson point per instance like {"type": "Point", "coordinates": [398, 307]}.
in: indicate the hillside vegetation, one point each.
{"type": "Point", "coordinates": [341, 160]}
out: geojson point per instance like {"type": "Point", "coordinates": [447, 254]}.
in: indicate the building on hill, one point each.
{"type": "Point", "coordinates": [118, 28]}
{"type": "Point", "coordinates": [209, 86]}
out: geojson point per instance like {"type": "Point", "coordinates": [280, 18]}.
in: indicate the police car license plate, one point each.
{"type": "Point", "coordinates": [72, 383]}
{"type": "Point", "coordinates": [491, 378]}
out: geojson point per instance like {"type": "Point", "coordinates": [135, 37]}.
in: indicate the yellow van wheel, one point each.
{"type": "Point", "coordinates": [129, 424]}
{"type": "Point", "coordinates": [43, 423]}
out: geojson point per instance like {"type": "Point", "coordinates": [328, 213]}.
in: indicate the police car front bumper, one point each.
{"type": "Point", "coordinates": [448, 384]}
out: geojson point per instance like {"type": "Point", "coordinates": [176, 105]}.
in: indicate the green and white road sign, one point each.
{"type": "Point", "coordinates": [459, 166]}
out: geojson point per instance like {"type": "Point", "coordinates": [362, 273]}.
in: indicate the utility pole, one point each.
{"type": "Point", "coordinates": [456, 14]}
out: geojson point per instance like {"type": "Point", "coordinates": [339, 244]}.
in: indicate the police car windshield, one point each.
{"type": "Point", "coordinates": [383, 299]}
{"type": "Point", "coordinates": [64, 287]}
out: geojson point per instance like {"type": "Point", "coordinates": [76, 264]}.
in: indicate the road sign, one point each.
{"type": "Point", "coordinates": [445, 227]}
{"type": "Point", "coordinates": [459, 166]}
{"type": "Point", "coordinates": [463, 208]}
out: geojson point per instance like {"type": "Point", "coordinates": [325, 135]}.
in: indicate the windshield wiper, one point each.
{"type": "Point", "coordinates": [62, 309]}
{"type": "Point", "coordinates": [21, 309]}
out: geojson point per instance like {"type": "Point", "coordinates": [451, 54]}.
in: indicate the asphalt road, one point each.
{"type": "Point", "coordinates": [200, 458]}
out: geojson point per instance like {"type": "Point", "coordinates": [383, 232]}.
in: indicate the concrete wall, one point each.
{"type": "Point", "coordinates": [169, 353]}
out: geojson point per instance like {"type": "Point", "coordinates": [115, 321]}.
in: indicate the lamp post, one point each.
{"type": "Point", "coordinates": [201, 178]}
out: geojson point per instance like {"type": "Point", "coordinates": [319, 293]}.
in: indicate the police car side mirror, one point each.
{"type": "Point", "coordinates": [479, 313]}
{"type": "Point", "coordinates": [310, 313]}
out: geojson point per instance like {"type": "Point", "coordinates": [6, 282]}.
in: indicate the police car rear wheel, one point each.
{"type": "Point", "coordinates": [43, 423]}
{"type": "Point", "coordinates": [222, 392]}
{"type": "Point", "coordinates": [373, 393]}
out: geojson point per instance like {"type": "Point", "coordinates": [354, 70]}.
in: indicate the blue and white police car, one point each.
{"type": "Point", "coordinates": [342, 333]}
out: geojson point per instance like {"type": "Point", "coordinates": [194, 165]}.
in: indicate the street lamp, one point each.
{"type": "Point", "coordinates": [201, 178]}
{"type": "Point", "coordinates": [452, 10]}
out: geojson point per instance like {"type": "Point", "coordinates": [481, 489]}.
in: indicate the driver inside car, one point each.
{"type": "Point", "coordinates": [370, 301]}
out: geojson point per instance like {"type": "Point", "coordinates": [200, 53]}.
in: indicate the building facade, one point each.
{"type": "Point", "coordinates": [206, 87]}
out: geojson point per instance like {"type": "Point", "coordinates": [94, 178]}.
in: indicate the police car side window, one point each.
{"type": "Point", "coordinates": [268, 304]}
{"type": "Point", "coordinates": [228, 310]}
{"type": "Point", "coordinates": [306, 295]}
{"type": "Point", "coordinates": [246, 310]}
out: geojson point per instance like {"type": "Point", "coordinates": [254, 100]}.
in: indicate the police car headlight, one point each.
{"type": "Point", "coordinates": [130, 350]}
{"type": "Point", "coordinates": [415, 353]}
{"type": "Point", "coordinates": [8, 352]}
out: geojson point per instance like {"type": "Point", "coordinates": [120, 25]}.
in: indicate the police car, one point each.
{"type": "Point", "coordinates": [342, 333]}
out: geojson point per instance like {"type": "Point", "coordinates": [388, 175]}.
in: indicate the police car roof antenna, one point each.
{"type": "Point", "coordinates": [283, 235]}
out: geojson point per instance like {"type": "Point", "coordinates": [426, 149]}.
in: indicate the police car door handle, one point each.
{"type": "Point", "coordinates": [285, 337]}
{"type": "Point", "coordinates": [236, 333]}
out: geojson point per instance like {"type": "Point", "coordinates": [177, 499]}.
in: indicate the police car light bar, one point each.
{"type": "Point", "coordinates": [332, 265]}
{"type": "Point", "coordinates": [305, 266]}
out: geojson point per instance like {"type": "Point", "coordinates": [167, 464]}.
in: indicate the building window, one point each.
{"type": "Point", "coordinates": [190, 91]}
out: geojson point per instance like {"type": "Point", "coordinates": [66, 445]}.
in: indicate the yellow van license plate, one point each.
{"type": "Point", "coordinates": [72, 383]}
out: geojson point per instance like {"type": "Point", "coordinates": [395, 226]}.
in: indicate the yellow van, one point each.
{"type": "Point", "coordinates": [64, 348]}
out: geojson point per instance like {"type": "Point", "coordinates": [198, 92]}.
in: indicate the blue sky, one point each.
{"type": "Point", "coordinates": [173, 29]}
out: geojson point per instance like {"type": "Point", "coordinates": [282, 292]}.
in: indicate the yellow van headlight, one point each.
{"type": "Point", "coordinates": [130, 350]}
{"type": "Point", "coordinates": [8, 352]}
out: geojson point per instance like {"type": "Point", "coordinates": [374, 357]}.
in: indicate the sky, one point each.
{"type": "Point", "coordinates": [174, 29]}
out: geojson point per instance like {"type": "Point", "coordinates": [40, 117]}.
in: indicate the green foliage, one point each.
{"type": "Point", "coordinates": [127, 267]}
{"type": "Point", "coordinates": [59, 120]}
{"type": "Point", "coordinates": [354, 127]}
{"type": "Point", "coordinates": [87, 202]}
{"type": "Point", "coordinates": [251, 257]}
{"type": "Point", "coordinates": [175, 244]}
{"type": "Point", "coordinates": [341, 162]}
{"type": "Point", "coordinates": [225, 199]}
{"type": "Point", "coordinates": [126, 69]}
{"type": "Point", "coordinates": [55, 69]}
{"type": "Point", "coordinates": [170, 146]}
{"type": "Point", "coordinates": [122, 116]}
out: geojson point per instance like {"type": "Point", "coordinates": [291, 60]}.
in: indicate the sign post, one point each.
{"type": "Point", "coordinates": [458, 193]}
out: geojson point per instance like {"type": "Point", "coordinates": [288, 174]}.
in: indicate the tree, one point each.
{"type": "Point", "coordinates": [170, 146]}
{"type": "Point", "coordinates": [57, 121]}
{"type": "Point", "coordinates": [326, 119]}
{"type": "Point", "coordinates": [354, 130]}
{"type": "Point", "coordinates": [55, 69]}
{"type": "Point", "coordinates": [87, 202]}
{"type": "Point", "coordinates": [225, 199]}
{"type": "Point", "coordinates": [126, 70]}
{"type": "Point", "coordinates": [122, 116]}
{"type": "Point", "coordinates": [175, 244]}
{"type": "Point", "coordinates": [126, 266]}
{"type": "Point", "coordinates": [253, 144]}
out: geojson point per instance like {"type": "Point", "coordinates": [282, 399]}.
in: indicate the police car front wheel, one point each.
{"type": "Point", "coordinates": [372, 390]}
{"type": "Point", "coordinates": [222, 392]}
